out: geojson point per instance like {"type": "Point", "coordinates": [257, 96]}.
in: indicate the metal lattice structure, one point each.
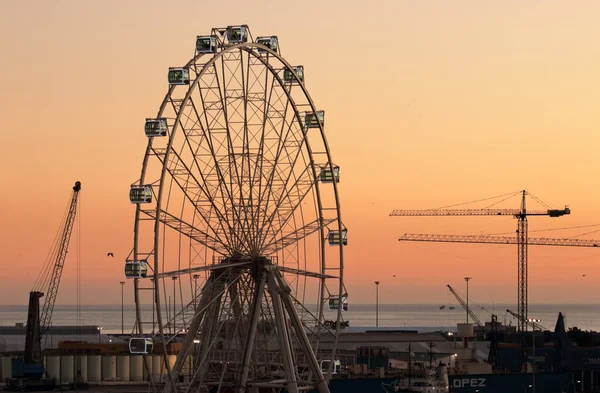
{"type": "Point", "coordinates": [238, 223]}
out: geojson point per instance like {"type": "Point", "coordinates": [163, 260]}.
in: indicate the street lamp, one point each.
{"type": "Point", "coordinates": [99, 333]}
{"type": "Point", "coordinates": [195, 276]}
{"type": "Point", "coordinates": [122, 313]}
{"type": "Point", "coordinates": [533, 321]}
{"type": "Point", "coordinates": [174, 300]}
{"type": "Point", "coordinates": [153, 302]}
{"type": "Point", "coordinates": [467, 279]}
{"type": "Point", "coordinates": [376, 303]}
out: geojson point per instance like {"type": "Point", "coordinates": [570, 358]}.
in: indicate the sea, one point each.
{"type": "Point", "coordinates": [424, 317]}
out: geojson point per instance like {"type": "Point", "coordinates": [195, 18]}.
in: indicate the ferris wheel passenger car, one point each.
{"type": "Point", "coordinates": [136, 269]}
{"type": "Point", "coordinates": [179, 76]}
{"type": "Point", "coordinates": [288, 76]}
{"type": "Point", "coordinates": [206, 44]}
{"type": "Point", "coordinates": [328, 176]}
{"type": "Point", "coordinates": [140, 194]}
{"type": "Point", "coordinates": [334, 303]}
{"type": "Point", "coordinates": [237, 34]}
{"type": "Point", "coordinates": [156, 127]}
{"type": "Point", "coordinates": [270, 42]}
{"type": "Point", "coordinates": [140, 345]}
{"type": "Point", "coordinates": [312, 120]}
{"type": "Point", "coordinates": [335, 239]}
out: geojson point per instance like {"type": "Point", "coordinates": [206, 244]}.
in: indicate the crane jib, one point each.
{"type": "Point", "coordinates": [53, 284]}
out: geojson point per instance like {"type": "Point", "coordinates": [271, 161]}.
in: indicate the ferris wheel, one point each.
{"type": "Point", "coordinates": [238, 234]}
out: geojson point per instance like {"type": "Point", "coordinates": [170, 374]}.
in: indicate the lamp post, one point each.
{"type": "Point", "coordinates": [195, 276]}
{"type": "Point", "coordinates": [122, 312]}
{"type": "Point", "coordinates": [153, 302]}
{"type": "Point", "coordinates": [376, 303]}
{"type": "Point", "coordinates": [467, 279]}
{"type": "Point", "coordinates": [174, 300]}
{"type": "Point", "coordinates": [99, 334]}
{"type": "Point", "coordinates": [533, 321]}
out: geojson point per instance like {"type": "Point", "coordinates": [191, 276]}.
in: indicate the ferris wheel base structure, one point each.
{"type": "Point", "coordinates": [238, 235]}
{"type": "Point", "coordinates": [265, 276]}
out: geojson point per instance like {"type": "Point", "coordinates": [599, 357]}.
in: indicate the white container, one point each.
{"type": "Point", "coordinates": [6, 367]}
{"type": "Point", "coordinates": [136, 368]}
{"type": "Point", "coordinates": [464, 330]}
{"type": "Point", "coordinates": [94, 369]}
{"type": "Point", "coordinates": [157, 367]}
{"type": "Point", "coordinates": [187, 366]}
{"type": "Point", "coordinates": [53, 367]}
{"type": "Point", "coordinates": [66, 369]}
{"type": "Point", "coordinates": [109, 368]}
{"type": "Point", "coordinates": [80, 364]}
{"type": "Point", "coordinates": [123, 368]}
{"type": "Point", "coordinates": [172, 360]}
{"type": "Point", "coordinates": [147, 370]}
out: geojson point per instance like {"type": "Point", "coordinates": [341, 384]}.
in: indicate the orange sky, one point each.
{"type": "Point", "coordinates": [428, 103]}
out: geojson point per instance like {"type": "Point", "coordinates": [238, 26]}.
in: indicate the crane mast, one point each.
{"type": "Point", "coordinates": [464, 305]}
{"type": "Point", "coordinates": [63, 248]}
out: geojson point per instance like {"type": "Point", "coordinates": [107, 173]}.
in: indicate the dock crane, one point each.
{"type": "Point", "coordinates": [469, 311]}
{"type": "Point", "coordinates": [493, 354]}
{"type": "Point", "coordinates": [533, 325]}
{"type": "Point", "coordinates": [31, 370]}
{"type": "Point", "coordinates": [521, 240]}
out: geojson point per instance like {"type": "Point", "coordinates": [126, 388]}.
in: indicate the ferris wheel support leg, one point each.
{"type": "Point", "coordinates": [320, 384]}
{"type": "Point", "coordinates": [282, 333]}
{"type": "Point", "coordinates": [256, 305]}
{"type": "Point", "coordinates": [191, 334]}
{"type": "Point", "coordinates": [237, 311]}
{"type": "Point", "coordinates": [209, 326]}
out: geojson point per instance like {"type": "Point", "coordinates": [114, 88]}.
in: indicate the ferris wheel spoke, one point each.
{"type": "Point", "coordinates": [295, 236]}
{"type": "Point", "coordinates": [255, 119]}
{"type": "Point", "coordinates": [214, 127]}
{"type": "Point", "coordinates": [224, 184]}
{"type": "Point", "coordinates": [275, 174]}
{"type": "Point", "coordinates": [181, 174]}
{"type": "Point", "coordinates": [297, 145]}
{"type": "Point", "coordinates": [221, 221]}
{"type": "Point", "coordinates": [213, 266]}
{"type": "Point", "coordinates": [274, 127]}
{"type": "Point", "coordinates": [264, 149]}
{"type": "Point", "coordinates": [187, 229]}
{"type": "Point", "coordinates": [235, 135]}
{"type": "Point", "coordinates": [259, 167]}
{"type": "Point", "coordinates": [306, 273]}
{"type": "Point", "coordinates": [301, 187]}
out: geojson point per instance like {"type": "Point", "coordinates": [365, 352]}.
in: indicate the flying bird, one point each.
{"type": "Point", "coordinates": [110, 254]}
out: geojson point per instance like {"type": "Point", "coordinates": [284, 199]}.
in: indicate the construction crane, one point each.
{"type": "Point", "coordinates": [493, 355]}
{"type": "Point", "coordinates": [521, 240]}
{"type": "Point", "coordinates": [48, 281]}
{"type": "Point", "coordinates": [465, 306]}
{"type": "Point", "coordinates": [533, 325]}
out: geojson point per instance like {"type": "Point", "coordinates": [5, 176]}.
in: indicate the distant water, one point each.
{"type": "Point", "coordinates": [584, 316]}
